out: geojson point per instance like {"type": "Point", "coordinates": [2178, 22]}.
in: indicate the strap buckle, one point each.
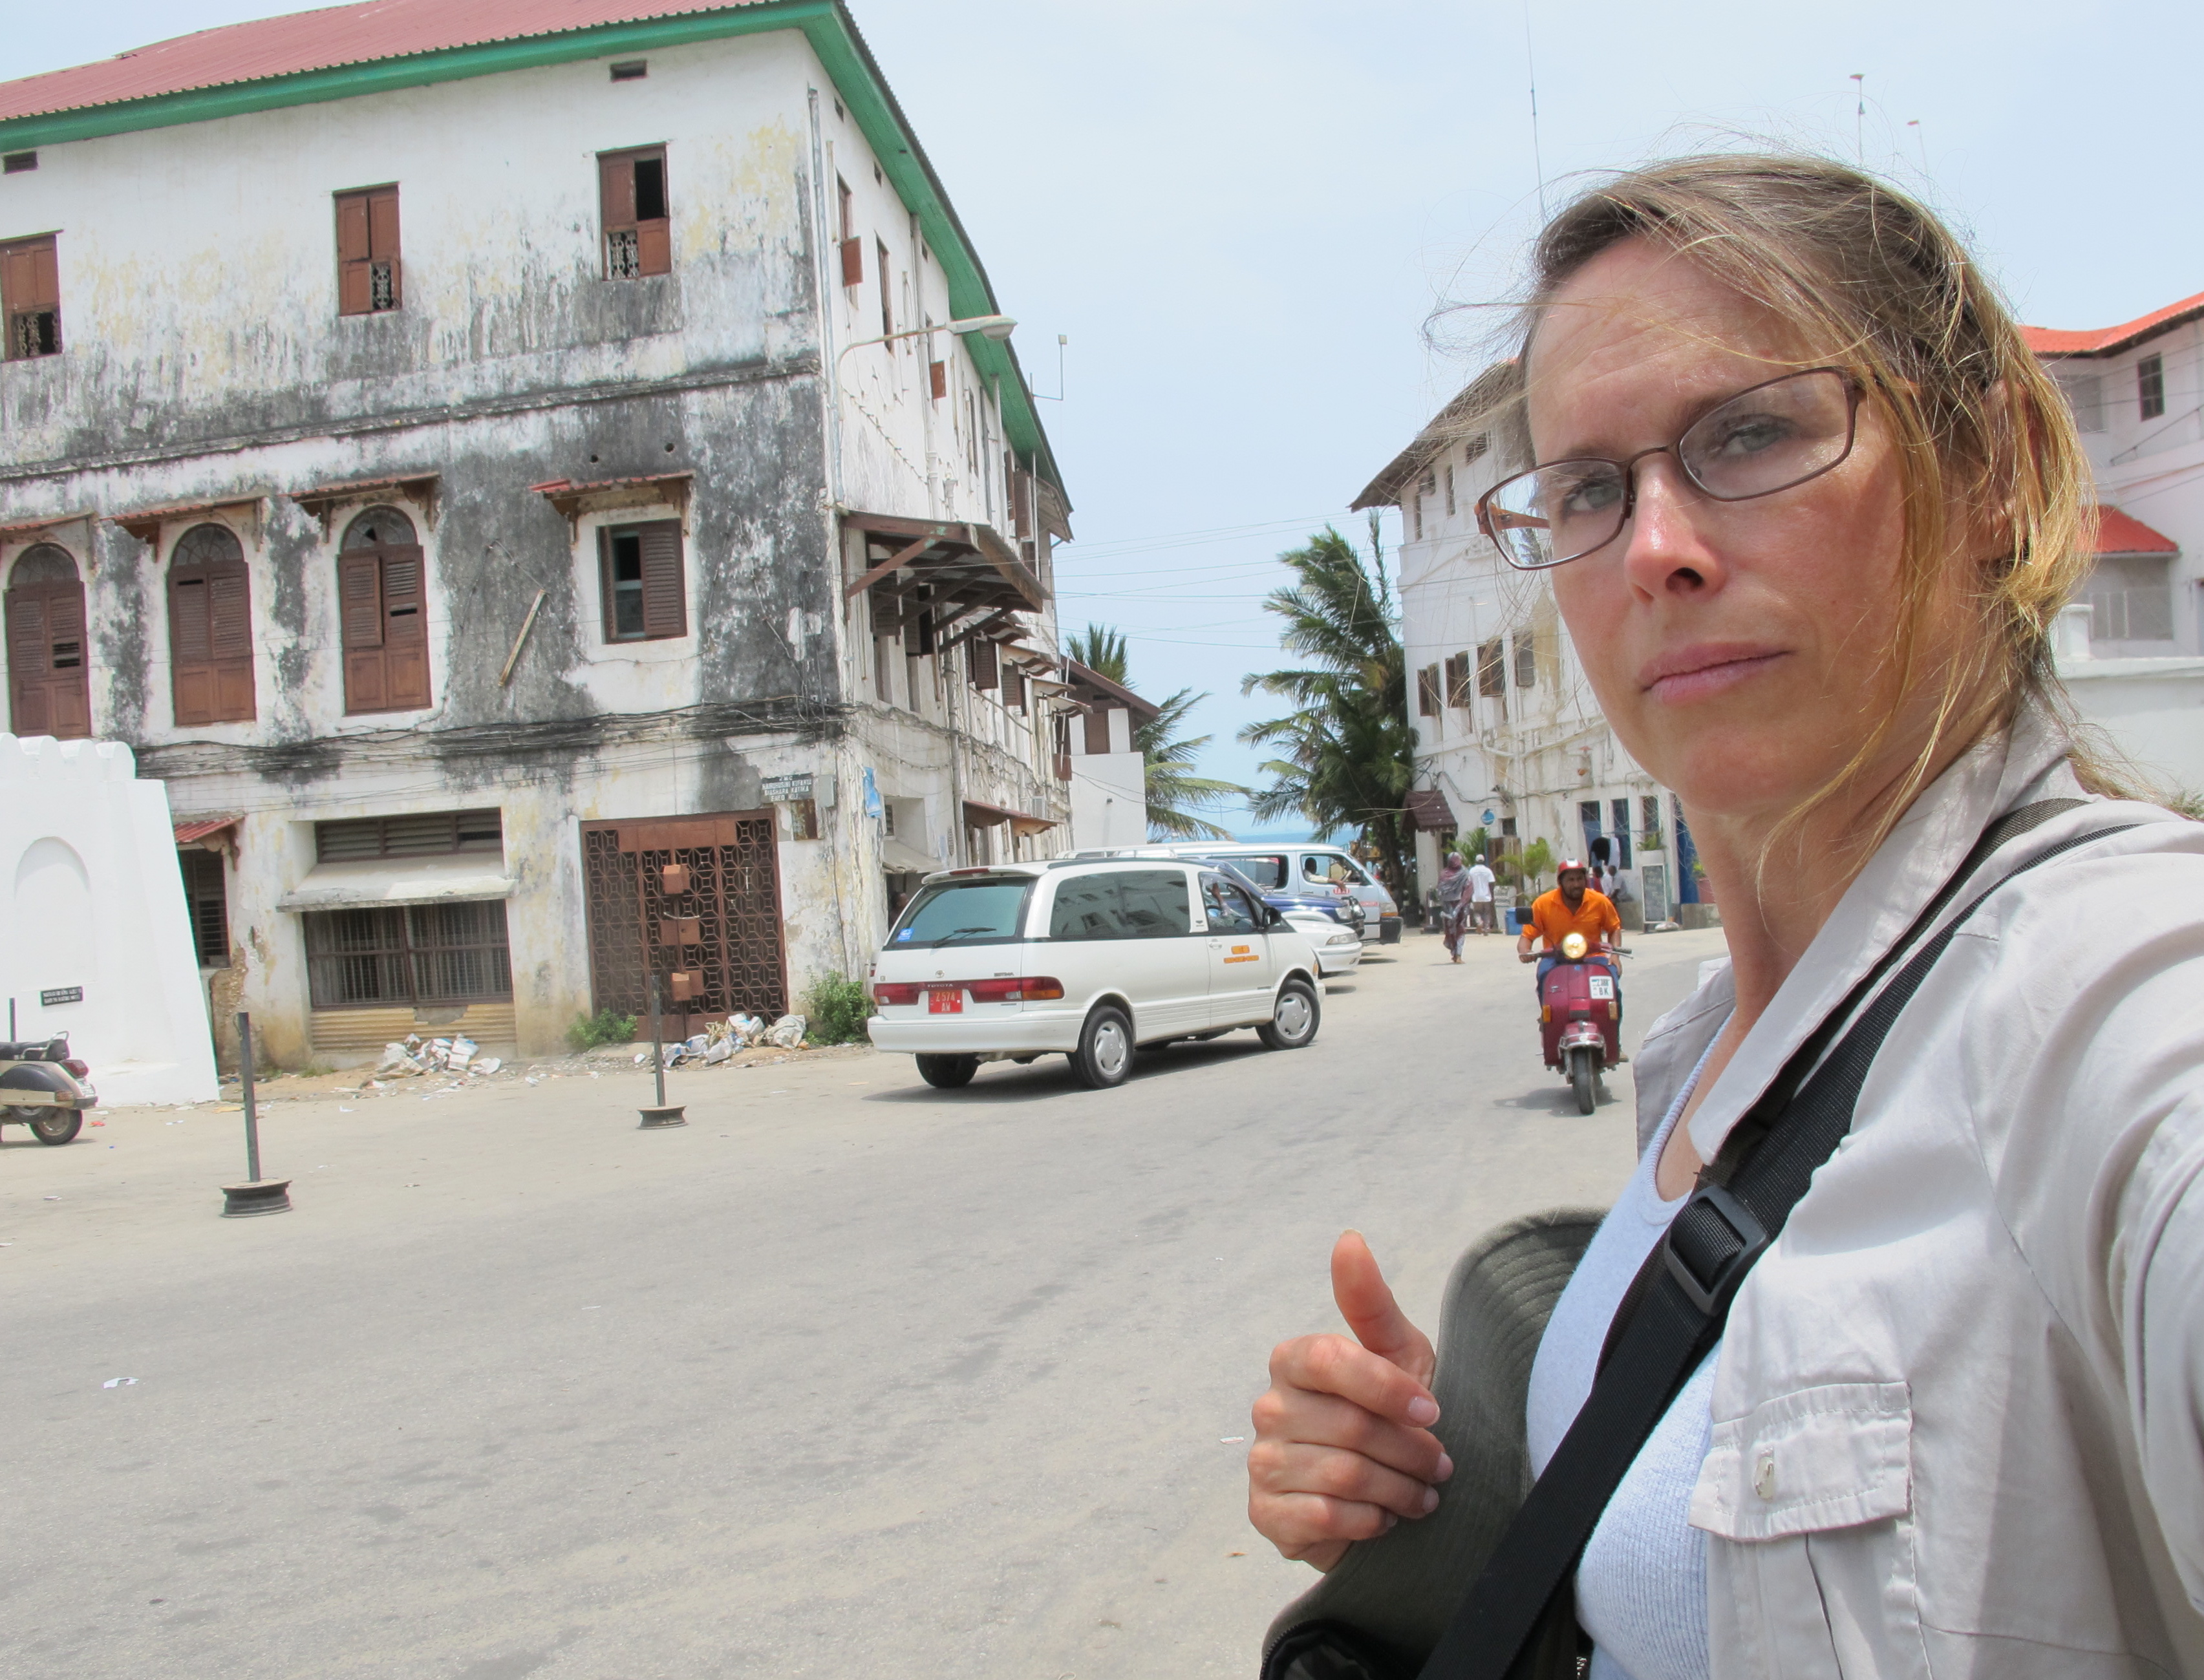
{"type": "Point", "coordinates": [1711, 1245]}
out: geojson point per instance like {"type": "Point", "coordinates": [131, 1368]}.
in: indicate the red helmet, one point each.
{"type": "Point", "coordinates": [1567, 864]}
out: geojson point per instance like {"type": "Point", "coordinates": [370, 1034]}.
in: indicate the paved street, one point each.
{"type": "Point", "coordinates": [849, 1378]}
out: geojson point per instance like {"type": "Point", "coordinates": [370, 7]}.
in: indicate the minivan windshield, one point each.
{"type": "Point", "coordinates": [964, 913]}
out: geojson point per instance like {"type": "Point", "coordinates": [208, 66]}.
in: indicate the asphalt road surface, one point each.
{"type": "Point", "coordinates": [849, 1378]}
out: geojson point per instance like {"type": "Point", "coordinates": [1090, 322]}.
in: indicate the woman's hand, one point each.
{"type": "Point", "coordinates": [1343, 1447]}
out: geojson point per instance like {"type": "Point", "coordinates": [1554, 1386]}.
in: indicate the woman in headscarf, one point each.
{"type": "Point", "coordinates": [1453, 903]}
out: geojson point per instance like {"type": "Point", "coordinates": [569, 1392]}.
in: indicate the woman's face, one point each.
{"type": "Point", "coordinates": [1739, 649]}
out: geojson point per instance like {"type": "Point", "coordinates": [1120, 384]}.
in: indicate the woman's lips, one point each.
{"type": "Point", "coordinates": [1695, 673]}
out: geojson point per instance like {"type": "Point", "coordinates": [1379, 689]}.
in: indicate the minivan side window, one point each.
{"type": "Point", "coordinates": [1122, 904]}
{"type": "Point", "coordinates": [1267, 873]}
{"type": "Point", "coordinates": [1228, 907]}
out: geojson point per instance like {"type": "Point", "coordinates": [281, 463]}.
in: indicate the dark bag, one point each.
{"type": "Point", "coordinates": [1517, 1622]}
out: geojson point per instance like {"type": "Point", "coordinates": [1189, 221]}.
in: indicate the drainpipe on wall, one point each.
{"type": "Point", "coordinates": [830, 384]}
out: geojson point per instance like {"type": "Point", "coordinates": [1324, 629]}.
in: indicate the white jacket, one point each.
{"type": "Point", "coordinates": [1959, 1415]}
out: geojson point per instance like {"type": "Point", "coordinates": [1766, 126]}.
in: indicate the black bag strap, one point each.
{"type": "Point", "coordinates": [1682, 1297]}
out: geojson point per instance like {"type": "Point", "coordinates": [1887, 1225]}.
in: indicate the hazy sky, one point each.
{"type": "Point", "coordinates": [1242, 215]}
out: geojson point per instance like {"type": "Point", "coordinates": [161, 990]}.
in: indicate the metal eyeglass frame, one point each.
{"type": "Point", "coordinates": [1855, 389]}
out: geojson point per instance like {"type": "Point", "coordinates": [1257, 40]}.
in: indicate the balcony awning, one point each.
{"type": "Point", "coordinates": [978, 813]}
{"type": "Point", "coordinates": [939, 572]}
{"type": "Point", "coordinates": [146, 524]}
{"type": "Point", "coordinates": [898, 859]}
{"type": "Point", "coordinates": [322, 500]}
{"type": "Point", "coordinates": [2118, 533]}
{"type": "Point", "coordinates": [1428, 810]}
{"type": "Point", "coordinates": [198, 831]}
{"type": "Point", "coordinates": [387, 882]}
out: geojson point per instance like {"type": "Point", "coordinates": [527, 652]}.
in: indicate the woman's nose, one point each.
{"type": "Point", "coordinates": [1665, 551]}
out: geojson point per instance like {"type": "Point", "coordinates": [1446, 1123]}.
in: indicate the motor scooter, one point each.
{"type": "Point", "coordinates": [45, 1088]}
{"type": "Point", "coordinates": [1580, 1019]}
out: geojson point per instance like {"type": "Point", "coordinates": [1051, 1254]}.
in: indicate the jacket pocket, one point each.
{"type": "Point", "coordinates": [1812, 1492]}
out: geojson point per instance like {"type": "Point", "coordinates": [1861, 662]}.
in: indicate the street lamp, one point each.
{"type": "Point", "coordinates": [996, 328]}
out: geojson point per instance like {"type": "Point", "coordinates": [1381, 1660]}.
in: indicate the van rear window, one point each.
{"type": "Point", "coordinates": [1122, 904]}
{"type": "Point", "coordinates": [965, 912]}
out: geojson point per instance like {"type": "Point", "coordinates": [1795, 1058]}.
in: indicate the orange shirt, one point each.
{"type": "Point", "coordinates": [1552, 920]}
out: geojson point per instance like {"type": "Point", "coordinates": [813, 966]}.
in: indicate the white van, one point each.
{"type": "Point", "coordinates": [1313, 867]}
{"type": "Point", "coordinates": [1088, 958]}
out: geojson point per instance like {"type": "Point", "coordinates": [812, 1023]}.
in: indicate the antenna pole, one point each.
{"type": "Point", "coordinates": [1530, 62]}
{"type": "Point", "coordinates": [1859, 118]}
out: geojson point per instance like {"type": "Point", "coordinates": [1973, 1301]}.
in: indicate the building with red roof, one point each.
{"type": "Point", "coordinates": [479, 453]}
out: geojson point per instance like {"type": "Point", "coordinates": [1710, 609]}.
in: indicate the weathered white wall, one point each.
{"type": "Point", "coordinates": [1109, 804]}
{"type": "Point", "coordinates": [91, 896]}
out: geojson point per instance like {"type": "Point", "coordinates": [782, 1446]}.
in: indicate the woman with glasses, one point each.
{"type": "Point", "coordinates": [1809, 508]}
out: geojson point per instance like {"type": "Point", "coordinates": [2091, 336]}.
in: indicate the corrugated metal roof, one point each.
{"type": "Point", "coordinates": [2118, 533]}
{"type": "Point", "coordinates": [320, 40]}
{"type": "Point", "coordinates": [2103, 340]}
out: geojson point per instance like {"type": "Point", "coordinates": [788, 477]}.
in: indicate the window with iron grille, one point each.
{"type": "Point", "coordinates": [206, 899]}
{"type": "Point", "coordinates": [367, 252]}
{"type": "Point", "coordinates": [420, 954]}
{"type": "Point", "coordinates": [1492, 668]}
{"type": "Point", "coordinates": [1526, 662]}
{"type": "Point", "coordinates": [31, 295]}
{"type": "Point", "coordinates": [1427, 692]}
{"type": "Point", "coordinates": [1649, 820]}
{"type": "Point", "coordinates": [424, 834]}
{"type": "Point", "coordinates": [638, 221]}
{"type": "Point", "coordinates": [2150, 386]}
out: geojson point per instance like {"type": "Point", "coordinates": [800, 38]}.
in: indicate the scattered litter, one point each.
{"type": "Point", "coordinates": [120, 1382]}
{"type": "Point", "coordinates": [398, 1059]}
{"type": "Point", "coordinates": [1231, 1441]}
{"type": "Point", "coordinates": [531, 1080]}
{"type": "Point", "coordinates": [592, 1309]}
{"type": "Point", "coordinates": [718, 1051]}
{"type": "Point", "coordinates": [99, 1122]}
{"type": "Point", "coordinates": [53, 1198]}
{"type": "Point", "coordinates": [344, 1110]}
{"type": "Point", "coordinates": [746, 1029]}
{"type": "Point", "coordinates": [787, 1031]}
{"type": "Point", "coordinates": [488, 1064]}
{"type": "Point", "coordinates": [460, 1052]}
{"type": "Point", "coordinates": [642, 1056]}
{"type": "Point", "coordinates": [1236, 1554]}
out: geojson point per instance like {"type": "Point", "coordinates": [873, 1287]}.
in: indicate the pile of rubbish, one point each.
{"type": "Point", "coordinates": [719, 1041]}
{"type": "Point", "coordinates": [435, 1055]}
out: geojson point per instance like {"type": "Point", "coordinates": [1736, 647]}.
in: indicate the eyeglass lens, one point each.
{"type": "Point", "coordinates": [1760, 441]}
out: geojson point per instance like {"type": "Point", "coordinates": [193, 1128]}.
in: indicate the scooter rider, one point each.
{"type": "Point", "coordinates": [1574, 906]}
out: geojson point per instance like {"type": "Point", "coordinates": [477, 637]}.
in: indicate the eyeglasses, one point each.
{"type": "Point", "coordinates": [1771, 437]}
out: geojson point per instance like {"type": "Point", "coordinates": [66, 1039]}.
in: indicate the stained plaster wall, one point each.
{"type": "Point", "coordinates": [206, 361]}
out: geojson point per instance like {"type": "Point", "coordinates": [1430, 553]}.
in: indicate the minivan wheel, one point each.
{"type": "Point", "coordinates": [947, 1073]}
{"type": "Point", "coordinates": [1293, 1023]}
{"type": "Point", "coordinates": [1104, 1055]}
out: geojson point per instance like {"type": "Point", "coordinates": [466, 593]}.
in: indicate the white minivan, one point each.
{"type": "Point", "coordinates": [1306, 867]}
{"type": "Point", "coordinates": [1088, 958]}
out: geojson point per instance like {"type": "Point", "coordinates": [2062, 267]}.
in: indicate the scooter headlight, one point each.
{"type": "Point", "coordinates": [1574, 946]}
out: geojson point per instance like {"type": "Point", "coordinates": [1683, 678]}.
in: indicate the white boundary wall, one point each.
{"type": "Point", "coordinates": [90, 895]}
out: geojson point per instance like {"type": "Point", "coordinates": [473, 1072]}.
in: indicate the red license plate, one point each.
{"type": "Point", "coordinates": [948, 1002]}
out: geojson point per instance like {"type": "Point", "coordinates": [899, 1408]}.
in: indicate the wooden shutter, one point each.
{"type": "Point", "coordinates": [28, 662]}
{"type": "Point", "coordinates": [29, 276]}
{"type": "Point", "coordinates": [853, 262]}
{"type": "Point", "coordinates": [355, 252]}
{"type": "Point", "coordinates": [1457, 680]}
{"type": "Point", "coordinates": [987, 673]}
{"type": "Point", "coordinates": [359, 589]}
{"type": "Point", "coordinates": [616, 185]}
{"type": "Point", "coordinates": [229, 637]}
{"type": "Point", "coordinates": [190, 660]}
{"type": "Point", "coordinates": [1098, 731]}
{"type": "Point", "coordinates": [937, 374]}
{"type": "Point", "coordinates": [404, 630]}
{"type": "Point", "coordinates": [1427, 692]}
{"type": "Point", "coordinates": [654, 235]}
{"type": "Point", "coordinates": [665, 603]}
{"type": "Point", "coordinates": [69, 689]}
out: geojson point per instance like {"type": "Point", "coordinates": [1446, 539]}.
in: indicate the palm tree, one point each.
{"type": "Point", "coordinates": [1347, 755]}
{"type": "Point", "coordinates": [1175, 795]}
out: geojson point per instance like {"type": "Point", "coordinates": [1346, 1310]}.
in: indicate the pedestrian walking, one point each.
{"type": "Point", "coordinates": [1894, 1372]}
{"type": "Point", "coordinates": [1453, 903]}
{"type": "Point", "coordinates": [1480, 898]}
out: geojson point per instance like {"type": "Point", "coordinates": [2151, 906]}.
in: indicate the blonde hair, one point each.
{"type": "Point", "coordinates": [1874, 282]}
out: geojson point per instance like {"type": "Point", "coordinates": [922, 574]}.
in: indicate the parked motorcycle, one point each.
{"type": "Point", "coordinates": [1580, 1019]}
{"type": "Point", "coordinates": [45, 1088]}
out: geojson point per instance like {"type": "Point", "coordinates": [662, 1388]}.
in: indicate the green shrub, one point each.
{"type": "Point", "coordinates": [836, 1011]}
{"type": "Point", "coordinates": [603, 1027]}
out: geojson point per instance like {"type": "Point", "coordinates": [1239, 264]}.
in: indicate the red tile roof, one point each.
{"type": "Point", "coordinates": [193, 830]}
{"type": "Point", "coordinates": [2104, 340]}
{"type": "Point", "coordinates": [321, 40]}
{"type": "Point", "coordinates": [2119, 533]}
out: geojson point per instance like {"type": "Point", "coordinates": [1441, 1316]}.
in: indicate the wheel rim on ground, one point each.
{"type": "Point", "coordinates": [1112, 1049]}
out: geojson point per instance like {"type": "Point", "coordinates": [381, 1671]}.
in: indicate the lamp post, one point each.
{"type": "Point", "coordinates": [995, 328]}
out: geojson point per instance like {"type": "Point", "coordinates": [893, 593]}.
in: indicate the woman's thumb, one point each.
{"type": "Point", "coordinates": [1367, 1303]}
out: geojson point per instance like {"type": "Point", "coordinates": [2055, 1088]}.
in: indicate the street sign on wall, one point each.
{"type": "Point", "coordinates": [61, 994]}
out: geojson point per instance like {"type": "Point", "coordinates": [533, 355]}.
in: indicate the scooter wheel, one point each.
{"type": "Point", "coordinates": [1584, 1079]}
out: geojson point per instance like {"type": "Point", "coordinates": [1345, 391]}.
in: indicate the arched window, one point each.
{"type": "Point", "coordinates": [49, 690]}
{"type": "Point", "coordinates": [210, 628]}
{"type": "Point", "coordinates": [385, 611]}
